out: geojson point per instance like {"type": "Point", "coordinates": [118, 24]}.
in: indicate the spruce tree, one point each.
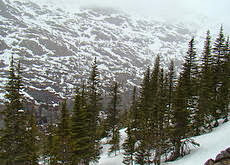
{"type": "Point", "coordinates": [142, 111]}
{"type": "Point", "coordinates": [50, 148]}
{"type": "Point", "coordinates": [142, 154]}
{"type": "Point", "coordinates": [113, 119]}
{"type": "Point", "coordinates": [63, 141]}
{"type": "Point", "coordinates": [171, 78]}
{"type": "Point", "coordinates": [80, 134]}
{"type": "Point", "coordinates": [130, 141]}
{"type": "Point", "coordinates": [185, 100]}
{"type": "Point", "coordinates": [142, 118]}
{"type": "Point", "coordinates": [160, 125]}
{"type": "Point", "coordinates": [225, 88]}
{"type": "Point", "coordinates": [218, 75]}
{"type": "Point", "coordinates": [205, 87]}
{"type": "Point", "coordinates": [32, 143]}
{"type": "Point", "coordinates": [13, 142]}
{"type": "Point", "coordinates": [93, 108]}
{"type": "Point", "coordinates": [129, 147]}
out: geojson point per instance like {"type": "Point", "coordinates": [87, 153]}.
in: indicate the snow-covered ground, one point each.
{"type": "Point", "coordinates": [210, 145]}
{"type": "Point", "coordinates": [112, 160]}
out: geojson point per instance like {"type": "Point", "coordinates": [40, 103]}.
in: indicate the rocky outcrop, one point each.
{"type": "Point", "coordinates": [223, 158]}
{"type": "Point", "coordinates": [56, 47]}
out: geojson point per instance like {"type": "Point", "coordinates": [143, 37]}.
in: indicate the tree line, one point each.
{"type": "Point", "coordinates": [164, 114]}
{"type": "Point", "coordinates": [170, 109]}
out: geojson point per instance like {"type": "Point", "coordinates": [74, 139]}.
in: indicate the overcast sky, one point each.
{"type": "Point", "coordinates": [169, 10]}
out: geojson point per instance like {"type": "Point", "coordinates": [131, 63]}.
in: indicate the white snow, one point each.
{"type": "Point", "coordinates": [210, 145]}
{"type": "Point", "coordinates": [112, 160]}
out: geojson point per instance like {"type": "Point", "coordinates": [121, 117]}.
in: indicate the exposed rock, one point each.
{"type": "Point", "coordinates": [223, 158]}
{"type": "Point", "coordinates": [56, 48]}
{"type": "Point", "coordinates": [209, 162]}
{"type": "Point", "coordinates": [33, 46]}
{"type": "Point", "coordinates": [3, 45]}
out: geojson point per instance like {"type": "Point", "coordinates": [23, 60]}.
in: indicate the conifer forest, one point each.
{"type": "Point", "coordinates": [166, 110]}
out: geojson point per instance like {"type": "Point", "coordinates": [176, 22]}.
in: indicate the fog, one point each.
{"type": "Point", "coordinates": [168, 10]}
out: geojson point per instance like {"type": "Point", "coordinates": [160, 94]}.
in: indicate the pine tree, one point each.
{"type": "Point", "coordinates": [171, 78]}
{"type": "Point", "coordinates": [32, 144]}
{"type": "Point", "coordinates": [159, 129]}
{"type": "Point", "coordinates": [133, 110]}
{"type": "Point", "coordinates": [129, 147]}
{"type": "Point", "coordinates": [63, 137]}
{"type": "Point", "coordinates": [218, 53]}
{"type": "Point", "coordinates": [142, 118]}
{"type": "Point", "coordinates": [113, 119]}
{"type": "Point", "coordinates": [142, 109]}
{"type": "Point", "coordinates": [185, 99]}
{"type": "Point", "coordinates": [205, 87]}
{"type": "Point", "coordinates": [93, 108]}
{"type": "Point", "coordinates": [49, 146]}
{"type": "Point", "coordinates": [80, 135]}
{"type": "Point", "coordinates": [225, 88]}
{"type": "Point", "coordinates": [170, 83]}
{"type": "Point", "coordinates": [13, 140]}
{"type": "Point", "coordinates": [142, 154]}
{"type": "Point", "coordinates": [130, 141]}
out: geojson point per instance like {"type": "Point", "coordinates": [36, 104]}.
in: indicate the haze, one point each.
{"type": "Point", "coordinates": [168, 10]}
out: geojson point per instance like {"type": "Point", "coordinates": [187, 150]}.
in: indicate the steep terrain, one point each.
{"type": "Point", "coordinates": [56, 47]}
{"type": "Point", "coordinates": [211, 144]}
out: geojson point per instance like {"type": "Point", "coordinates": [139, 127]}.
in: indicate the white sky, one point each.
{"type": "Point", "coordinates": [169, 10]}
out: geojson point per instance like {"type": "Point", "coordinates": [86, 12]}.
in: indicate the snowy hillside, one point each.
{"type": "Point", "coordinates": [210, 145]}
{"type": "Point", "coordinates": [56, 47]}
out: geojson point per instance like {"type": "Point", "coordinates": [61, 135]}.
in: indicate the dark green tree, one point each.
{"type": "Point", "coordinates": [13, 142]}
{"type": "Point", "coordinates": [32, 143]}
{"type": "Point", "coordinates": [63, 139]}
{"type": "Point", "coordinates": [225, 88]}
{"type": "Point", "coordinates": [93, 108]}
{"type": "Point", "coordinates": [80, 134]}
{"type": "Point", "coordinates": [204, 117]}
{"type": "Point", "coordinates": [218, 75]}
{"type": "Point", "coordinates": [185, 100]}
{"type": "Point", "coordinates": [112, 119]}
{"type": "Point", "coordinates": [130, 141]}
{"type": "Point", "coordinates": [129, 147]}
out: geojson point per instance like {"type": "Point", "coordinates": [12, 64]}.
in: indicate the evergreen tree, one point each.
{"type": "Point", "coordinates": [171, 78]}
{"type": "Point", "coordinates": [133, 118]}
{"type": "Point", "coordinates": [142, 111]}
{"type": "Point", "coordinates": [218, 75]}
{"type": "Point", "coordinates": [170, 83]}
{"type": "Point", "coordinates": [142, 120]}
{"type": "Point", "coordinates": [113, 119]}
{"type": "Point", "coordinates": [143, 155]}
{"type": "Point", "coordinates": [130, 141]}
{"type": "Point", "coordinates": [160, 126]}
{"type": "Point", "coordinates": [63, 137]}
{"type": "Point", "coordinates": [32, 144]}
{"type": "Point", "coordinates": [153, 124]}
{"type": "Point", "coordinates": [13, 142]}
{"type": "Point", "coordinates": [185, 100]}
{"type": "Point", "coordinates": [204, 117]}
{"type": "Point", "coordinates": [129, 147]}
{"type": "Point", "coordinates": [80, 135]}
{"type": "Point", "coordinates": [93, 108]}
{"type": "Point", "coordinates": [225, 88]}
{"type": "Point", "coordinates": [49, 147]}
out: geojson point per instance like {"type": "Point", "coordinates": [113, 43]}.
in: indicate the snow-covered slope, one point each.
{"type": "Point", "coordinates": [210, 145]}
{"type": "Point", "coordinates": [56, 47]}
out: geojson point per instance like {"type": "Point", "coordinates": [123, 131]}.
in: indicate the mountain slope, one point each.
{"type": "Point", "coordinates": [210, 145]}
{"type": "Point", "coordinates": [56, 47]}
